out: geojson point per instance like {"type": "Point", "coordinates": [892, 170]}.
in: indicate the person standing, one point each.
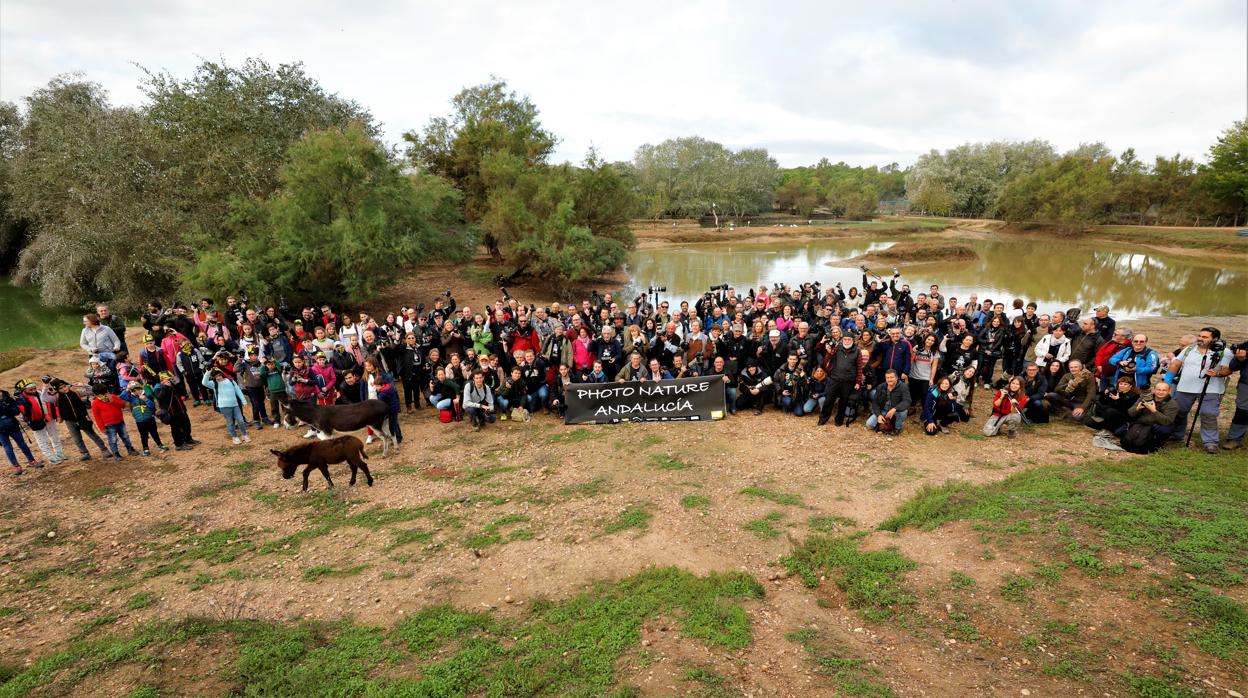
{"type": "Point", "coordinates": [229, 401]}
{"type": "Point", "coordinates": [11, 433]}
{"type": "Point", "coordinates": [112, 322]}
{"type": "Point", "coordinates": [98, 340]}
{"type": "Point", "coordinates": [1199, 366]}
{"type": "Point", "coordinates": [143, 409]}
{"type": "Point", "coordinates": [171, 407]}
{"type": "Point", "coordinates": [40, 420]}
{"type": "Point", "coordinates": [74, 412]}
{"type": "Point", "coordinates": [1239, 422]}
{"type": "Point", "coordinates": [109, 416]}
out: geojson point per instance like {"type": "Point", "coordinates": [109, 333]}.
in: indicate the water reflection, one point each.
{"type": "Point", "coordinates": [1055, 274]}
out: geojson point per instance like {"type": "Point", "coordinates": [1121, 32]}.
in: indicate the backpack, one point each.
{"type": "Point", "coordinates": [1139, 439]}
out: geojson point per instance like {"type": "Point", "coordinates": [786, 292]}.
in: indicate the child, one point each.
{"type": "Point", "coordinates": [229, 401]}
{"type": "Point", "coordinates": [1007, 409]}
{"type": "Point", "coordinates": [143, 409]}
{"type": "Point", "coordinates": [274, 382]}
{"type": "Point", "coordinates": [106, 411]}
{"type": "Point", "coordinates": [99, 374]}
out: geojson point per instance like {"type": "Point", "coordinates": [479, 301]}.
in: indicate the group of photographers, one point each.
{"type": "Point", "coordinates": [882, 353]}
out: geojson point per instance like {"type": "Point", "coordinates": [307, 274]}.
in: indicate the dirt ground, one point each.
{"type": "Point", "coordinates": [88, 531]}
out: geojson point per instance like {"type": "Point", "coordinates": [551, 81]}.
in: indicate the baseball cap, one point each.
{"type": "Point", "coordinates": [774, 333]}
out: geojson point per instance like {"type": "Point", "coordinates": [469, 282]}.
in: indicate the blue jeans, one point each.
{"type": "Point", "coordinates": [118, 431]}
{"type": "Point", "coordinates": [537, 400]}
{"type": "Point", "coordinates": [874, 419]}
{"type": "Point", "coordinates": [1239, 423]}
{"type": "Point", "coordinates": [1208, 416]}
{"type": "Point", "coordinates": [501, 405]}
{"type": "Point", "coordinates": [811, 405]}
{"type": "Point", "coordinates": [787, 403]}
{"type": "Point", "coordinates": [234, 421]}
{"type": "Point", "coordinates": [15, 436]}
{"type": "Point", "coordinates": [730, 394]}
{"type": "Point", "coordinates": [441, 403]}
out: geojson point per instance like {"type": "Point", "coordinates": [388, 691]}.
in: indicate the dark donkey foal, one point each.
{"type": "Point", "coordinates": [320, 455]}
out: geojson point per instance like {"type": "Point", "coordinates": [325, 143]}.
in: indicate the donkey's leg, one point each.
{"type": "Point", "coordinates": [307, 469]}
{"type": "Point", "coordinates": [357, 462]}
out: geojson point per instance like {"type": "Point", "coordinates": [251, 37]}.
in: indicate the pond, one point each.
{"type": "Point", "coordinates": [24, 323]}
{"type": "Point", "coordinates": [1056, 274]}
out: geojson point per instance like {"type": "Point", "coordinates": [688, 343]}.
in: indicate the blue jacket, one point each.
{"type": "Point", "coordinates": [1146, 364]}
{"type": "Point", "coordinates": [227, 392]}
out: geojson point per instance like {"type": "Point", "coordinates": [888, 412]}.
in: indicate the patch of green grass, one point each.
{"type": "Point", "coordinates": [1015, 587]}
{"type": "Point", "coordinates": [144, 692]}
{"type": "Point", "coordinates": [650, 440]}
{"type": "Point", "coordinates": [200, 580]}
{"type": "Point", "coordinates": [959, 627]}
{"type": "Point", "coordinates": [143, 599]}
{"type": "Point", "coordinates": [98, 622]}
{"type": "Point", "coordinates": [480, 476]}
{"type": "Point", "coordinates": [589, 488]}
{"type": "Point", "coordinates": [101, 492]}
{"type": "Point", "coordinates": [213, 548]}
{"type": "Point", "coordinates": [1225, 633]}
{"type": "Point", "coordinates": [763, 527]}
{"type": "Point", "coordinates": [1050, 573]}
{"type": "Point", "coordinates": [830, 524]}
{"type": "Point", "coordinates": [9, 611]}
{"type": "Point", "coordinates": [1151, 687]}
{"type": "Point", "coordinates": [972, 435]}
{"type": "Point", "coordinates": [695, 501]}
{"type": "Point", "coordinates": [871, 580]}
{"type": "Point", "coordinates": [1173, 503]}
{"type": "Point", "coordinates": [269, 499]}
{"type": "Point", "coordinates": [961, 580]}
{"type": "Point", "coordinates": [316, 572]}
{"type": "Point", "coordinates": [666, 462]}
{"type": "Point", "coordinates": [851, 675]}
{"type": "Point", "coordinates": [493, 534]}
{"type": "Point", "coordinates": [636, 516]}
{"type": "Point", "coordinates": [247, 467]}
{"type": "Point", "coordinates": [407, 536]}
{"type": "Point", "coordinates": [782, 498]}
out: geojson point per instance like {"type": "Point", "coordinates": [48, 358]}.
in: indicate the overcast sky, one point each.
{"type": "Point", "coordinates": [864, 82]}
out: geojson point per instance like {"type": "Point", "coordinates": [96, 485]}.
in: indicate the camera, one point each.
{"type": "Point", "coordinates": [503, 290]}
{"type": "Point", "coordinates": [1218, 345]}
{"type": "Point", "coordinates": [656, 289]}
{"type": "Point", "coordinates": [719, 287]}
{"type": "Point", "coordinates": [420, 307]}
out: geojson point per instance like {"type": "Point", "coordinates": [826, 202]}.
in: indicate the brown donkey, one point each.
{"type": "Point", "coordinates": [320, 455]}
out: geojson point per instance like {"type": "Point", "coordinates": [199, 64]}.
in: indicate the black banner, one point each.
{"type": "Point", "coordinates": [675, 400]}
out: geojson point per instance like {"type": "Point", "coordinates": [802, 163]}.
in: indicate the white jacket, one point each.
{"type": "Point", "coordinates": [1046, 345]}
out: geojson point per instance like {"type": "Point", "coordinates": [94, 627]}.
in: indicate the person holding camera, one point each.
{"type": "Point", "coordinates": [1239, 422]}
{"type": "Point", "coordinates": [1150, 421]}
{"type": "Point", "coordinates": [1137, 362]}
{"type": "Point", "coordinates": [1202, 370]}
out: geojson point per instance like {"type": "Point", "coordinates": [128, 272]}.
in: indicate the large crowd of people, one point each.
{"type": "Point", "coordinates": [883, 354]}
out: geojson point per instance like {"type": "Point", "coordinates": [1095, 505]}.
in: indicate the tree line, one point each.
{"type": "Point", "coordinates": [1031, 182]}
{"type": "Point", "coordinates": [254, 177]}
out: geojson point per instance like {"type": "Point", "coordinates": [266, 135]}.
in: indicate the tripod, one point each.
{"type": "Point", "coordinates": [1199, 401]}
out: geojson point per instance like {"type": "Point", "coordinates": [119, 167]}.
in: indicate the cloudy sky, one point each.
{"type": "Point", "coordinates": [863, 82]}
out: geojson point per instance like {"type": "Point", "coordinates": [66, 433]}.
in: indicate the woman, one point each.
{"type": "Point", "coordinates": [582, 351]}
{"type": "Point", "coordinates": [922, 368]}
{"type": "Point", "coordinates": [1007, 409]}
{"type": "Point", "coordinates": [956, 359]}
{"type": "Point", "coordinates": [229, 401]}
{"type": "Point", "coordinates": [328, 379]}
{"type": "Point", "coordinates": [991, 340]}
{"type": "Point", "coordinates": [634, 339]}
{"type": "Point", "coordinates": [381, 387]}
{"type": "Point", "coordinates": [963, 389]}
{"type": "Point", "coordinates": [479, 334]}
{"type": "Point", "coordinates": [98, 339]}
{"type": "Point", "coordinates": [443, 390]}
{"type": "Point", "coordinates": [559, 390]}
{"type": "Point", "coordinates": [941, 408]}
{"type": "Point", "coordinates": [478, 401]}
{"type": "Point", "coordinates": [816, 392]}
{"type": "Point", "coordinates": [785, 321]}
{"type": "Point", "coordinates": [1110, 410]}
{"type": "Point", "coordinates": [1012, 351]}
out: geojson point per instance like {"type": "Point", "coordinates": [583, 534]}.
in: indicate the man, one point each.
{"type": "Point", "coordinates": [1073, 394]}
{"type": "Point", "coordinates": [410, 372]}
{"type": "Point", "coordinates": [1137, 361]}
{"type": "Point", "coordinates": [1239, 423]}
{"type": "Point", "coordinates": [632, 370]}
{"type": "Point", "coordinates": [753, 388]}
{"type": "Point", "coordinates": [1105, 324]}
{"type": "Point", "coordinates": [889, 405]}
{"type": "Point", "coordinates": [1158, 411]}
{"type": "Point", "coordinates": [894, 353]}
{"type": "Point", "coordinates": [1194, 365]}
{"type": "Point", "coordinates": [1119, 341]}
{"type": "Point", "coordinates": [1083, 347]}
{"type": "Point", "coordinates": [718, 368]}
{"type": "Point", "coordinates": [114, 323]}
{"type": "Point", "coordinates": [248, 370]}
{"type": "Point", "coordinates": [843, 365]}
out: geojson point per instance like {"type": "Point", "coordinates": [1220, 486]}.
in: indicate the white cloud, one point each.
{"type": "Point", "coordinates": [864, 83]}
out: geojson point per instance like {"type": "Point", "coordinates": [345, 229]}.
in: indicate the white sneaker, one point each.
{"type": "Point", "coordinates": [236, 441]}
{"type": "Point", "coordinates": [276, 425]}
{"type": "Point", "coordinates": [311, 433]}
{"type": "Point", "coordinates": [247, 438]}
{"type": "Point", "coordinates": [370, 439]}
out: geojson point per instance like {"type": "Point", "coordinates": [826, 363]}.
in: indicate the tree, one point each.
{"type": "Point", "coordinates": [1073, 191]}
{"type": "Point", "coordinates": [1225, 177]}
{"type": "Point", "coordinates": [797, 194]}
{"type": "Point", "coordinates": [344, 223]}
{"type": "Point", "coordinates": [486, 120]}
{"type": "Point", "coordinates": [973, 174]}
{"type": "Point", "coordinates": [693, 177]}
{"type": "Point", "coordinates": [12, 226]}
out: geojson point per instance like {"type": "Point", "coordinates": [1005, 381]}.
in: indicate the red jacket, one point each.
{"type": "Point", "coordinates": [108, 413]}
{"type": "Point", "coordinates": [1002, 406]}
{"type": "Point", "coordinates": [1107, 350]}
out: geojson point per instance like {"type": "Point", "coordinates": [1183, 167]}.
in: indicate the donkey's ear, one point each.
{"type": "Point", "coordinates": [275, 452]}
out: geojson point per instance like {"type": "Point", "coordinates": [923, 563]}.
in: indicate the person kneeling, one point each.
{"type": "Point", "coordinates": [1007, 409]}
{"type": "Point", "coordinates": [1150, 421]}
{"type": "Point", "coordinates": [478, 401]}
{"type": "Point", "coordinates": [889, 405]}
{"type": "Point", "coordinates": [941, 408]}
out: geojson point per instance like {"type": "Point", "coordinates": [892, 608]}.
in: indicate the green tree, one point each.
{"type": "Point", "coordinates": [694, 176]}
{"type": "Point", "coordinates": [343, 225]}
{"type": "Point", "coordinates": [1225, 177]}
{"type": "Point", "coordinates": [486, 121]}
{"type": "Point", "coordinates": [972, 175]}
{"type": "Point", "coordinates": [12, 226]}
{"type": "Point", "coordinates": [1072, 192]}
{"type": "Point", "coordinates": [797, 194]}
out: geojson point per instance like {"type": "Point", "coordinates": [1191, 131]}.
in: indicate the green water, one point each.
{"type": "Point", "coordinates": [24, 323]}
{"type": "Point", "coordinates": [1055, 274]}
